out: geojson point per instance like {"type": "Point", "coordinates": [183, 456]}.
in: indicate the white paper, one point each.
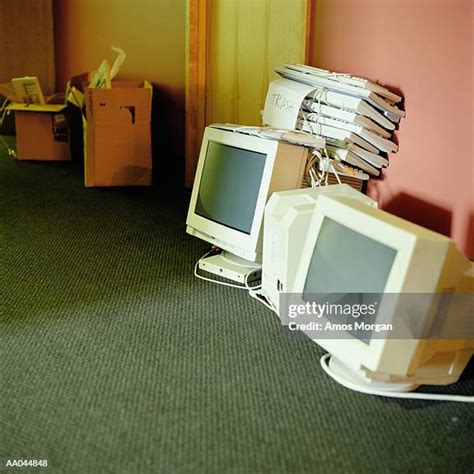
{"type": "Point", "coordinates": [283, 103]}
{"type": "Point", "coordinates": [118, 61]}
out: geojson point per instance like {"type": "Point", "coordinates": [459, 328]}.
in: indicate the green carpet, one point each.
{"type": "Point", "coordinates": [115, 359]}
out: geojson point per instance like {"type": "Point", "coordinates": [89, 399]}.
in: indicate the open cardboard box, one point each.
{"type": "Point", "coordinates": [117, 135]}
{"type": "Point", "coordinates": [42, 132]}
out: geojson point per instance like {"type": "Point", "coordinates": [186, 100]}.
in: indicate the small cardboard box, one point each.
{"type": "Point", "coordinates": [117, 135]}
{"type": "Point", "coordinates": [42, 132]}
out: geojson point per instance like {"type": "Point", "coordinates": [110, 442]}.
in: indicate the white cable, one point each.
{"type": "Point", "coordinates": [318, 96]}
{"type": "Point", "coordinates": [382, 393]}
{"type": "Point", "coordinates": [261, 299]}
{"type": "Point", "coordinates": [201, 277]}
{"type": "Point", "coordinates": [319, 178]}
{"type": "Point", "coordinates": [334, 171]}
{"type": "Point", "coordinates": [252, 290]}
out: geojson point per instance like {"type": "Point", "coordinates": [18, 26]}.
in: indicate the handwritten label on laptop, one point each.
{"type": "Point", "coordinates": [283, 102]}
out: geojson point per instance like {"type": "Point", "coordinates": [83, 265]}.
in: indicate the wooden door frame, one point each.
{"type": "Point", "coordinates": [196, 66]}
{"type": "Point", "coordinates": [196, 55]}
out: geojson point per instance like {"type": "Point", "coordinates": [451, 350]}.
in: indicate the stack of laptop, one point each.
{"type": "Point", "coordinates": [356, 116]}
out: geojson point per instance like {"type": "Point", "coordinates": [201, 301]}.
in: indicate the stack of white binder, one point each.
{"type": "Point", "coordinates": [356, 116]}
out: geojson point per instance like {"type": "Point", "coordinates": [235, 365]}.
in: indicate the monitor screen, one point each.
{"type": "Point", "coordinates": [345, 261]}
{"type": "Point", "coordinates": [229, 186]}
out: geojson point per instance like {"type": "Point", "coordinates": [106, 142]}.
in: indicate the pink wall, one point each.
{"type": "Point", "coordinates": [424, 49]}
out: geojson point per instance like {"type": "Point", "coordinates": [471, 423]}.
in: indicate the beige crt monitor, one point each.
{"type": "Point", "coordinates": [354, 248]}
{"type": "Point", "coordinates": [287, 218]}
{"type": "Point", "coordinates": [236, 174]}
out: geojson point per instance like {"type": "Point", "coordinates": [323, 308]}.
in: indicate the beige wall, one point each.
{"type": "Point", "coordinates": [424, 49]}
{"type": "Point", "coordinates": [152, 33]}
{"type": "Point", "coordinates": [247, 39]}
{"type": "Point", "coordinates": [234, 46]}
{"type": "Point", "coordinates": [26, 41]}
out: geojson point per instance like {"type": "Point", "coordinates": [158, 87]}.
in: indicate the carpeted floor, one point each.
{"type": "Point", "coordinates": [115, 359]}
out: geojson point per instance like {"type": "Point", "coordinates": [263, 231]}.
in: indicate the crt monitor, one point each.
{"type": "Point", "coordinates": [356, 251]}
{"type": "Point", "coordinates": [287, 218]}
{"type": "Point", "coordinates": [235, 176]}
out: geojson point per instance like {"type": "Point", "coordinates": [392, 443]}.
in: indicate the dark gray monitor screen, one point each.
{"type": "Point", "coordinates": [346, 262]}
{"type": "Point", "coordinates": [229, 187]}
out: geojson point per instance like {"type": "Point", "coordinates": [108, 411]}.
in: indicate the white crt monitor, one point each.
{"type": "Point", "coordinates": [235, 176]}
{"type": "Point", "coordinates": [287, 218]}
{"type": "Point", "coordinates": [354, 248]}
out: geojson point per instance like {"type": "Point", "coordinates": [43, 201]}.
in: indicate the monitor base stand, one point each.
{"type": "Point", "coordinates": [341, 373]}
{"type": "Point", "coordinates": [227, 265]}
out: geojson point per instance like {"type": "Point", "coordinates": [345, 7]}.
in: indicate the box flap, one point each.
{"type": "Point", "coordinates": [80, 81]}
{"type": "Point", "coordinates": [55, 108]}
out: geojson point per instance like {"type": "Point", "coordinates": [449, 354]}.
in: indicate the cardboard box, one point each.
{"type": "Point", "coordinates": [42, 132]}
{"type": "Point", "coordinates": [117, 135]}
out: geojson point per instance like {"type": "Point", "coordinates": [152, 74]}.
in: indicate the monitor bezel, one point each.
{"type": "Point", "coordinates": [235, 241]}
